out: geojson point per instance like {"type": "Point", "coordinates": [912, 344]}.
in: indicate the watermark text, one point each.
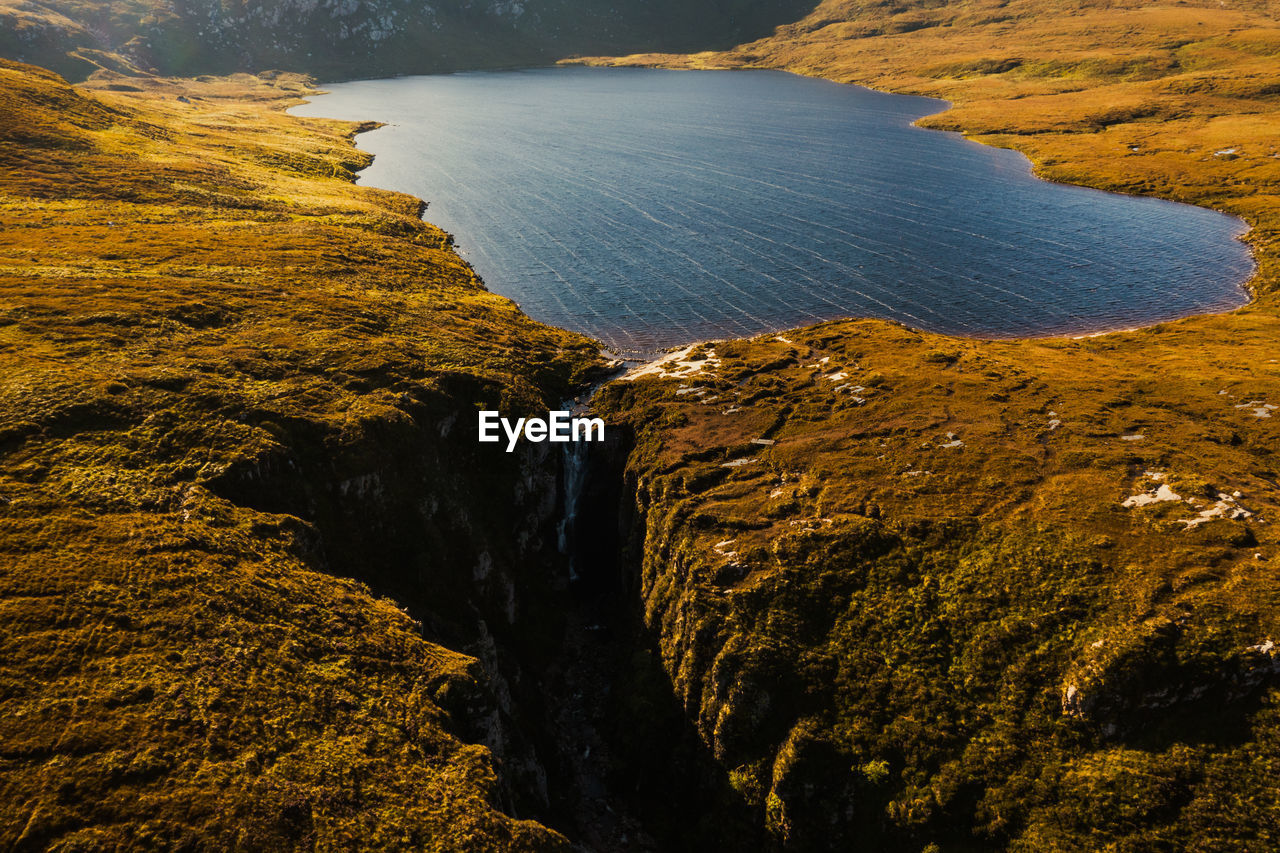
{"type": "Point", "coordinates": [556, 427]}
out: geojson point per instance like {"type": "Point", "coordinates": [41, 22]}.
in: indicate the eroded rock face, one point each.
{"type": "Point", "coordinates": [458, 533]}
{"type": "Point", "coordinates": [889, 641]}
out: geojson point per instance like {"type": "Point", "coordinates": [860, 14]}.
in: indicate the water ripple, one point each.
{"type": "Point", "coordinates": [654, 208]}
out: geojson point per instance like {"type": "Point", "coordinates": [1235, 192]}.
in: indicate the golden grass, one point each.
{"type": "Point", "coordinates": [196, 306]}
{"type": "Point", "coordinates": [888, 639]}
{"type": "Point", "coordinates": [1021, 660]}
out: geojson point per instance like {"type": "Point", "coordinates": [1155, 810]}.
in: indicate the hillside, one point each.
{"type": "Point", "coordinates": [859, 586]}
{"type": "Point", "coordinates": [919, 590]}
{"type": "Point", "coordinates": [363, 38]}
{"type": "Point", "coordinates": [932, 593]}
{"type": "Point", "coordinates": [229, 380]}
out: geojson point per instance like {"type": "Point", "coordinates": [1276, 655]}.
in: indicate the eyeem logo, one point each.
{"type": "Point", "coordinates": [557, 427]}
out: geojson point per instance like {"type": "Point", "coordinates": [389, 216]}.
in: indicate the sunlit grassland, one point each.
{"type": "Point", "coordinates": [924, 609]}
{"type": "Point", "coordinates": [195, 302]}
{"type": "Point", "coordinates": [922, 597]}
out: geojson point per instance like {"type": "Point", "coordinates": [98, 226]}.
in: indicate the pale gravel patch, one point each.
{"type": "Point", "coordinates": [1225, 507]}
{"type": "Point", "coordinates": [1261, 408]}
{"type": "Point", "coordinates": [1160, 495]}
{"type": "Point", "coordinates": [676, 365]}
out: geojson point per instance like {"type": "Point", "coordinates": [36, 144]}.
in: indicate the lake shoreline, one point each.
{"type": "Point", "coordinates": [1240, 296]}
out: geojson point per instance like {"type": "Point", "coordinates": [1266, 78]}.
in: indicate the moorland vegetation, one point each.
{"type": "Point", "coordinates": [919, 590]}
{"type": "Point", "coordinates": [912, 592]}
{"type": "Point", "coordinates": [229, 386]}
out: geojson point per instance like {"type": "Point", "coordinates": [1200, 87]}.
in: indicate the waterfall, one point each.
{"type": "Point", "coordinates": [575, 477]}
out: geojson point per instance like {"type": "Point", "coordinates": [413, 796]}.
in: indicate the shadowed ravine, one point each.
{"type": "Point", "coordinates": [851, 586]}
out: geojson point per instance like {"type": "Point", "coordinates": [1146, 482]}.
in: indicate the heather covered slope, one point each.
{"type": "Point", "coordinates": [970, 594]}
{"type": "Point", "coordinates": [915, 589]}
{"type": "Point", "coordinates": [926, 607]}
{"type": "Point", "coordinates": [230, 380]}
{"type": "Point", "coordinates": [925, 591]}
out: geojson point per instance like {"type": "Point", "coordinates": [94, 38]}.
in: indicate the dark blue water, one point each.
{"type": "Point", "coordinates": [652, 208]}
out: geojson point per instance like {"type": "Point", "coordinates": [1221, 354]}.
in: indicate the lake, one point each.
{"type": "Point", "coordinates": [651, 208]}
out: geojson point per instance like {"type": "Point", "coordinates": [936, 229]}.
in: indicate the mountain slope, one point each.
{"type": "Point", "coordinates": [229, 380]}
{"type": "Point", "coordinates": [945, 594]}
{"type": "Point", "coordinates": [363, 38]}
{"type": "Point", "coordinates": [990, 595]}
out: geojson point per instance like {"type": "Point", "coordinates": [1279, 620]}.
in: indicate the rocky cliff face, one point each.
{"type": "Point", "coordinates": [903, 588]}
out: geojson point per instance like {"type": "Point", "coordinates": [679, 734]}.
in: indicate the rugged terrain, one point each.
{"type": "Point", "coordinates": [364, 38]}
{"type": "Point", "coordinates": [861, 587]}
{"type": "Point", "coordinates": [231, 382]}
{"type": "Point", "coordinates": [921, 590]}
{"type": "Point", "coordinates": [984, 594]}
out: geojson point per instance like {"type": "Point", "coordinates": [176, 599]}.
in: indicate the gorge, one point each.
{"type": "Point", "coordinates": [848, 586]}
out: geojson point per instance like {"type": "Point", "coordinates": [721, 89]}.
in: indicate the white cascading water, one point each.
{"type": "Point", "coordinates": [575, 477]}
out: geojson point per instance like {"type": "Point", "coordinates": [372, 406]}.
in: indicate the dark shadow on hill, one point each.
{"type": "Point", "coordinates": [632, 772]}
{"type": "Point", "coordinates": [372, 39]}
{"type": "Point", "coordinates": [572, 698]}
